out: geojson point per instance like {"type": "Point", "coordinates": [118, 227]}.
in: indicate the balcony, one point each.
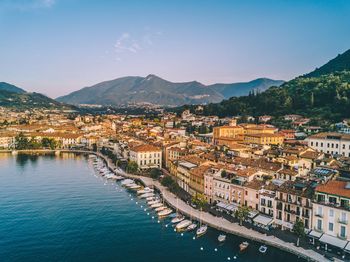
{"type": "Point", "coordinates": [319, 215]}
{"type": "Point", "coordinates": [342, 221]}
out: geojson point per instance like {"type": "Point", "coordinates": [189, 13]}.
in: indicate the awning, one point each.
{"type": "Point", "coordinates": [263, 220]}
{"type": "Point", "coordinates": [229, 207]}
{"type": "Point", "coordinates": [334, 241]}
{"type": "Point", "coordinates": [347, 247]}
{"type": "Point", "coordinates": [315, 234]}
{"type": "Point", "coordinates": [252, 213]}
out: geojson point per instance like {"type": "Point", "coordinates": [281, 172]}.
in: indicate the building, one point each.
{"type": "Point", "coordinates": [331, 143]}
{"type": "Point", "coordinates": [331, 214]}
{"type": "Point", "coordinates": [293, 202]}
{"type": "Point", "coordinates": [264, 139]}
{"type": "Point", "coordinates": [146, 156]}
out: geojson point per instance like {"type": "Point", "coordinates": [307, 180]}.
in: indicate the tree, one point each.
{"type": "Point", "coordinates": [132, 167]}
{"type": "Point", "coordinates": [299, 229]}
{"type": "Point", "coordinates": [199, 200]}
{"type": "Point", "coordinates": [242, 213]}
{"type": "Point", "coordinates": [155, 173]}
{"type": "Point", "coordinates": [48, 143]}
{"type": "Point", "coordinates": [21, 142]}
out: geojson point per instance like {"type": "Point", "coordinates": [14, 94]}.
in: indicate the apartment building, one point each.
{"type": "Point", "coordinates": [331, 143]}
{"type": "Point", "coordinates": [146, 156]}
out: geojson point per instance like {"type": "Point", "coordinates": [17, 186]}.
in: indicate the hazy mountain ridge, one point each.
{"type": "Point", "coordinates": [155, 90]}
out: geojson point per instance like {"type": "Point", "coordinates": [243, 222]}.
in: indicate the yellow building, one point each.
{"type": "Point", "coordinates": [264, 139]}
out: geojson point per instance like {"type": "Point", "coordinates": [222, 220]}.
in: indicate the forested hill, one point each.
{"type": "Point", "coordinates": [324, 96]}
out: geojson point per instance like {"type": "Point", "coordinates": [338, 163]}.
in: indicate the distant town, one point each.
{"type": "Point", "coordinates": [293, 182]}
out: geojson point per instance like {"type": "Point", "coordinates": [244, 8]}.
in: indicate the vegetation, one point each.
{"type": "Point", "coordinates": [155, 173]}
{"type": "Point", "coordinates": [171, 184]}
{"type": "Point", "coordinates": [22, 142]}
{"type": "Point", "coordinates": [299, 229]}
{"type": "Point", "coordinates": [132, 167]}
{"type": "Point", "coordinates": [199, 200]}
{"type": "Point", "coordinates": [242, 213]}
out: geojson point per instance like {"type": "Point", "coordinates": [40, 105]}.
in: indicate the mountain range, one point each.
{"type": "Point", "coordinates": [155, 90]}
{"type": "Point", "coordinates": [17, 98]}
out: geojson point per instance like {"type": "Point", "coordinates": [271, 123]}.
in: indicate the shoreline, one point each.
{"type": "Point", "coordinates": [212, 221]}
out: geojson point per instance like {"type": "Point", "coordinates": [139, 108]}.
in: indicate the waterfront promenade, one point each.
{"type": "Point", "coordinates": [212, 221]}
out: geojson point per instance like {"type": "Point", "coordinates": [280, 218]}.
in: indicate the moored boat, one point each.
{"type": "Point", "coordinates": [145, 190]}
{"type": "Point", "coordinates": [147, 195]}
{"type": "Point", "coordinates": [150, 203]}
{"type": "Point", "coordinates": [183, 225]}
{"type": "Point", "coordinates": [202, 230]}
{"type": "Point", "coordinates": [191, 227]}
{"type": "Point", "coordinates": [158, 209]}
{"type": "Point", "coordinates": [221, 238]}
{"type": "Point", "coordinates": [165, 212]}
{"type": "Point", "coordinates": [263, 249]}
{"type": "Point", "coordinates": [156, 205]}
{"type": "Point", "coordinates": [243, 246]}
{"type": "Point", "coordinates": [177, 219]}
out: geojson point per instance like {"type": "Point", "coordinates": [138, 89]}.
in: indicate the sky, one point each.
{"type": "Point", "coordinates": [58, 46]}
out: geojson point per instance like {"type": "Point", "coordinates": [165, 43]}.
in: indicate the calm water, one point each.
{"type": "Point", "coordinates": [56, 209]}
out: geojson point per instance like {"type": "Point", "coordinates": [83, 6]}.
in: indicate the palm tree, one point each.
{"type": "Point", "coordinates": [299, 229]}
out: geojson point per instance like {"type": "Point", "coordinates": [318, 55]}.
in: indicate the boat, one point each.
{"type": "Point", "coordinates": [119, 178]}
{"type": "Point", "coordinates": [183, 225]}
{"type": "Point", "coordinates": [263, 249]}
{"type": "Point", "coordinates": [153, 202]}
{"type": "Point", "coordinates": [243, 246]}
{"type": "Point", "coordinates": [165, 212]}
{"type": "Point", "coordinates": [135, 187]}
{"type": "Point", "coordinates": [156, 205]}
{"type": "Point", "coordinates": [130, 185]}
{"type": "Point", "coordinates": [146, 195]}
{"type": "Point", "coordinates": [202, 230]}
{"type": "Point", "coordinates": [221, 238]}
{"type": "Point", "coordinates": [145, 190]}
{"type": "Point", "coordinates": [127, 181]}
{"type": "Point", "coordinates": [158, 209]}
{"type": "Point", "coordinates": [191, 227]}
{"type": "Point", "coordinates": [177, 219]}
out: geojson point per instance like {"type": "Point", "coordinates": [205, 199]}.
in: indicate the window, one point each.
{"type": "Point", "coordinates": [343, 216]}
{"type": "Point", "coordinates": [319, 224]}
{"type": "Point", "coordinates": [343, 146]}
{"type": "Point", "coordinates": [330, 226]}
{"type": "Point", "coordinates": [331, 213]}
{"type": "Point", "coordinates": [312, 143]}
{"type": "Point", "coordinates": [321, 144]}
{"type": "Point", "coordinates": [316, 143]}
{"type": "Point", "coordinates": [319, 210]}
{"type": "Point", "coordinates": [342, 231]}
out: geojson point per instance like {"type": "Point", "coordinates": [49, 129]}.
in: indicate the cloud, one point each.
{"type": "Point", "coordinates": [127, 44]}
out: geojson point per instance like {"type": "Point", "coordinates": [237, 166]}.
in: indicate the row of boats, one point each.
{"type": "Point", "coordinates": [180, 222]}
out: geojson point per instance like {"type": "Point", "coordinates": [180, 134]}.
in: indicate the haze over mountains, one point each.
{"type": "Point", "coordinates": [155, 90]}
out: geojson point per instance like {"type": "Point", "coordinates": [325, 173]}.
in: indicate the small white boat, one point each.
{"type": "Point", "coordinates": [243, 246]}
{"type": "Point", "coordinates": [191, 227]}
{"type": "Point", "coordinates": [183, 225]}
{"type": "Point", "coordinates": [145, 190]}
{"type": "Point", "coordinates": [146, 195]}
{"type": "Point", "coordinates": [135, 187]}
{"type": "Point", "coordinates": [127, 181]}
{"type": "Point", "coordinates": [150, 203]}
{"type": "Point", "coordinates": [165, 212]}
{"type": "Point", "coordinates": [148, 199]}
{"type": "Point", "coordinates": [158, 209]}
{"type": "Point", "coordinates": [119, 178]}
{"type": "Point", "coordinates": [130, 185]}
{"type": "Point", "coordinates": [177, 219]}
{"type": "Point", "coordinates": [221, 238]}
{"type": "Point", "coordinates": [156, 205]}
{"type": "Point", "coordinates": [202, 230]}
{"type": "Point", "coordinates": [263, 249]}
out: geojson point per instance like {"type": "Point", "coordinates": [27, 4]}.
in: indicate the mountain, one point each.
{"type": "Point", "coordinates": [339, 63]}
{"type": "Point", "coordinates": [11, 88]}
{"type": "Point", "coordinates": [155, 90]}
{"type": "Point", "coordinates": [14, 97]}
{"type": "Point", "coordinates": [242, 89]}
{"type": "Point", "coordinates": [324, 96]}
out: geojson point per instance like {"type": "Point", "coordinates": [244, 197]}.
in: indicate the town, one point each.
{"type": "Point", "coordinates": [294, 183]}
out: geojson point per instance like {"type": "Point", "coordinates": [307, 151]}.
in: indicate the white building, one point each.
{"type": "Point", "coordinates": [146, 156]}
{"type": "Point", "coordinates": [331, 143]}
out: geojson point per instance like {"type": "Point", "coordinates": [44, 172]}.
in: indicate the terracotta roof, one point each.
{"type": "Point", "coordinates": [331, 134]}
{"type": "Point", "coordinates": [335, 187]}
{"type": "Point", "coordinates": [145, 148]}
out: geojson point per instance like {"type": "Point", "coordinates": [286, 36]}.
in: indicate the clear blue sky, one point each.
{"type": "Point", "coordinates": [58, 46]}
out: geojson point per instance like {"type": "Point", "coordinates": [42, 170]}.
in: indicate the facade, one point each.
{"type": "Point", "coordinates": [331, 212]}
{"type": "Point", "coordinates": [264, 139]}
{"type": "Point", "coordinates": [146, 156]}
{"type": "Point", "coordinates": [331, 143]}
